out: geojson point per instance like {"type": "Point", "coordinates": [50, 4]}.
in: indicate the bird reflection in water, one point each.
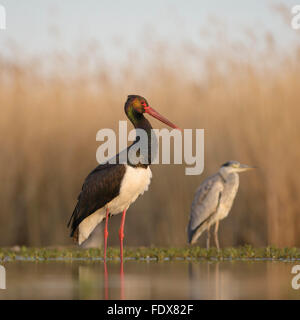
{"type": "Point", "coordinates": [106, 281]}
{"type": "Point", "coordinates": [205, 280]}
{"type": "Point", "coordinates": [122, 294]}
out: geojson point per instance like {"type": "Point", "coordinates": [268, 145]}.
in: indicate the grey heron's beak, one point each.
{"type": "Point", "coordinates": [245, 167]}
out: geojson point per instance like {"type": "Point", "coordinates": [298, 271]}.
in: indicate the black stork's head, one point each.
{"type": "Point", "coordinates": [135, 108]}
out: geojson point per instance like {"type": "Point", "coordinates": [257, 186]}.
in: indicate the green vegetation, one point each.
{"type": "Point", "coordinates": [160, 254]}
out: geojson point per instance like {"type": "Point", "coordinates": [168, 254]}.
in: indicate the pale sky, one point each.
{"type": "Point", "coordinates": [43, 26]}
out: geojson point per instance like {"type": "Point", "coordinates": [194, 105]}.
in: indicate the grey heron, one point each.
{"type": "Point", "coordinates": [213, 201]}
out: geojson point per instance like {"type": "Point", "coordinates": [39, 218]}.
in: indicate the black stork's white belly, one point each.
{"type": "Point", "coordinates": [135, 182]}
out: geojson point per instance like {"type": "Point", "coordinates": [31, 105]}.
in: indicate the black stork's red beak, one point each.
{"type": "Point", "coordinates": [161, 118]}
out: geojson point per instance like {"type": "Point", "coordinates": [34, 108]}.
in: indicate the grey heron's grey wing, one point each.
{"type": "Point", "coordinates": [205, 203]}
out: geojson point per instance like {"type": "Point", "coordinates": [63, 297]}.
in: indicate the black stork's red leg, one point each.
{"type": "Point", "coordinates": [105, 233]}
{"type": "Point", "coordinates": [121, 234]}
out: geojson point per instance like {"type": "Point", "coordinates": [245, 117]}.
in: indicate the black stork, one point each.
{"type": "Point", "coordinates": [111, 188]}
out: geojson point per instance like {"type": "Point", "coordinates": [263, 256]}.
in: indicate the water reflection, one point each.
{"type": "Point", "coordinates": [212, 286]}
{"type": "Point", "coordinates": [106, 282]}
{"type": "Point", "coordinates": [93, 279]}
{"type": "Point", "coordinates": [149, 280]}
{"type": "Point", "coordinates": [122, 295]}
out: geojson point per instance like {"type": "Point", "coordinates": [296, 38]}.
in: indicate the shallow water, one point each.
{"type": "Point", "coordinates": [149, 280]}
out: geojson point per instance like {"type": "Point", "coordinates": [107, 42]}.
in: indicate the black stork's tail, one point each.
{"type": "Point", "coordinates": [100, 187]}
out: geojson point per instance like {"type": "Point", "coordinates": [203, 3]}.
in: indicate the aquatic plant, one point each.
{"type": "Point", "coordinates": [246, 252]}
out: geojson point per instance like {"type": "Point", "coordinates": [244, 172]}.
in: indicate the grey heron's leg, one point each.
{"type": "Point", "coordinates": [216, 235]}
{"type": "Point", "coordinates": [208, 238]}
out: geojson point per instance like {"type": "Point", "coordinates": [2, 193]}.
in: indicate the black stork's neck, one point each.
{"type": "Point", "coordinates": [148, 151]}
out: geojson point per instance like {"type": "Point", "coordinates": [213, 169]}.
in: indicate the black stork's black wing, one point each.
{"type": "Point", "coordinates": [100, 187]}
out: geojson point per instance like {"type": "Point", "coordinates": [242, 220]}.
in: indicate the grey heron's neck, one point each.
{"type": "Point", "coordinates": [228, 174]}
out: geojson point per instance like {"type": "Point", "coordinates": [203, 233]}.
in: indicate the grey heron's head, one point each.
{"type": "Point", "coordinates": [234, 166]}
